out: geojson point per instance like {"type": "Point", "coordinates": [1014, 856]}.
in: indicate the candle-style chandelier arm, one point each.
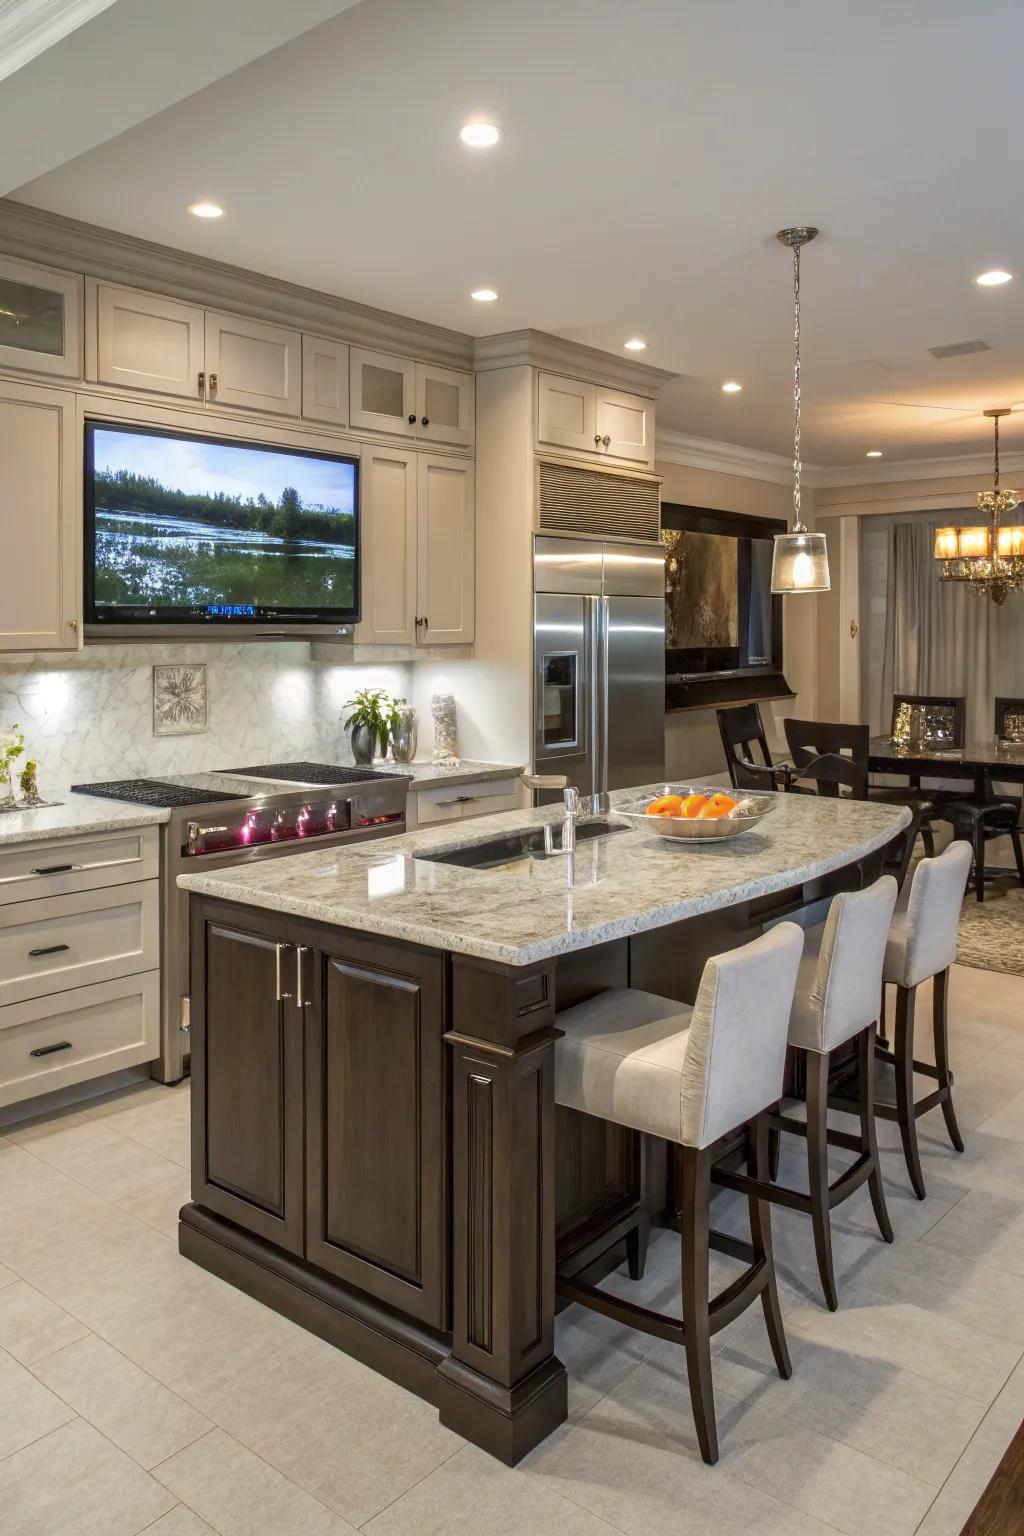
{"type": "Point", "coordinates": [987, 559]}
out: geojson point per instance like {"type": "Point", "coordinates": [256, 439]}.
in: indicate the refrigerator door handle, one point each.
{"type": "Point", "coordinates": [599, 693]}
{"type": "Point", "coordinates": [595, 692]}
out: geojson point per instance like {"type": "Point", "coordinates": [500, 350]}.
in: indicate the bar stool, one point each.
{"type": "Point", "coordinates": [836, 1000]}
{"type": "Point", "coordinates": [922, 944]}
{"type": "Point", "coordinates": [690, 1076]}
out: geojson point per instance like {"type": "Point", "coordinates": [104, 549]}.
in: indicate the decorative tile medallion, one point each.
{"type": "Point", "coordinates": [179, 699]}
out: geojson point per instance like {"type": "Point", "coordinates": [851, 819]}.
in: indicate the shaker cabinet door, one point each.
{"type": "Point", "coordinates": [388, 537]}
{"type": "Point", "coordinates": [625, 425]}
{"type": "Point", "coordinates": [247, 1047]}
{"type": "Point", "coordinates": [446, 551]}
{"type": "Point", "coordinates": [382, 392]}
{"type": "Point", "coordinates": [324, 380]}
{"type": "Point", "coordinates": [144, 341]}
{"type": "Point", "coordinates": [40, 318]}
{"type": "Point", "coordinates": [444, 405]}
{"type": "Point", "coordinates": [376, 1156]}
{"type": "Point", "coordinates": [40, 519]}
{"type": "Point", "coordinates": [253, 365]}
{"type": "Point", "coordinates": [565, 413]}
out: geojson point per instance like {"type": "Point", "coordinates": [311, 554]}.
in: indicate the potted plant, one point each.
{"type": "Point", "coordinates": [11, 749]}
{"type": "Point", "coordinates": [370, 721]}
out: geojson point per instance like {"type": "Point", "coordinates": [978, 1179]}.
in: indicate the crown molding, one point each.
{"type": "Point", "coordinates": [556, 354]}
{"type": "Point", "coordinates": [29, 27]}
{"type": "Point", "coordinates": [672, 447]}
{"type": "Point", "coordinates": [977, 466]}
{"type": "Point", "coordinates": [34, 234]}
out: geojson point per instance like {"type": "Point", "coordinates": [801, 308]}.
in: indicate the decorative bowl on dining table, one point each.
{"type": "Point", "coordinates": [695, 813]}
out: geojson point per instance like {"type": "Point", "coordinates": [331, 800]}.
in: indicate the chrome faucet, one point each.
{"type": "Point", "coordinates": [570, 799]}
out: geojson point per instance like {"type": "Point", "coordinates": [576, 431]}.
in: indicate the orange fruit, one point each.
{"type": "Point", "coordinates": [716, 806]}
{"type": "Point", "coordinates": [665, 805]}
{"type": "Point", "coordinates": [692, 806]}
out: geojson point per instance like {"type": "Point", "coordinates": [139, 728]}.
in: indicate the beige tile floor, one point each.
{"type": "Point", "coordinates": [138, 1393]}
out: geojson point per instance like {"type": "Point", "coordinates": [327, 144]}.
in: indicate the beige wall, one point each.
{"type": "Point", "coordinates": [692, 745]}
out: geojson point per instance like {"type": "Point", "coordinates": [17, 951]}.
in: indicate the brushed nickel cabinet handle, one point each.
{"type": "Point", "coordinates": [597, 439]}
{"type": "Point", "coordinates": [213, 385]}
{"type": "Point", "coordinates": [201, 377]}
{"type": "Point", "coordinates": [279, 995]}
{"type": "Point", "coordinates": [300, 952]}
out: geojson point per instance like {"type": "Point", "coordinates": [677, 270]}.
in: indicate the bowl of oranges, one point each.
{"type": "Point", "coordinates": [696, 814]}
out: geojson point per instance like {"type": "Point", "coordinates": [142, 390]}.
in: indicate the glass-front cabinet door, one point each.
{"type": "Point", "coordinates": [40, 318]}
{"type": "Point", "coordinates": [382, 392]}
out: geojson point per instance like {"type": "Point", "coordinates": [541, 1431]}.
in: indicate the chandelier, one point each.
{"type": "Point", "coordinates": [799, 558]}
{"type": "Point", "coordinates": [988, 560]}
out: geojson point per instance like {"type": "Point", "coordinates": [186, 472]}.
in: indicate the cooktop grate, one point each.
{"type": "Point", "coordinates": [153, 792]}
{"type": "Point", "coordinates": [314, 773]}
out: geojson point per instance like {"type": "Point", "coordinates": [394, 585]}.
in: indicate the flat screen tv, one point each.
{"type": "Point", "coordinates": [194, 531]}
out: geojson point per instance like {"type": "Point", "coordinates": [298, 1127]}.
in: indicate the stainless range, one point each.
{"type": "Point", "coordinates": [229, 817]}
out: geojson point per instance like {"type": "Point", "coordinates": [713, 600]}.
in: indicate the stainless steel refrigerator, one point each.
{"type": "Point", "coordinates": [599, 662]}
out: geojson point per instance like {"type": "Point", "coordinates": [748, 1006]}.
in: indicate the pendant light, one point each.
{"type": "Point", "coordinates": [799, 559]}
{"type": "Point", "coordinates": [988, 560]}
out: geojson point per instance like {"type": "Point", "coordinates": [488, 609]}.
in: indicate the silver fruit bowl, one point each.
{"type": "Point", "coordinates": [749, 812]}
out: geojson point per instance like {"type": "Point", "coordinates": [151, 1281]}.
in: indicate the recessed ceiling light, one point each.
{"type": "Point", "coordinates": [484, 295]}
{"type": "Point", "coordinates": [873, 453]}
{"type": "Point", "coordinates": [481, 135]}
{"type": "Point", "coordinates": [730, 387]}
{"type": "Point", "coordinates": [635, 345]}
{"type": "Point", "coordinates": [206, 210]}
{"type": "Point", "coordinates": [993, 279]}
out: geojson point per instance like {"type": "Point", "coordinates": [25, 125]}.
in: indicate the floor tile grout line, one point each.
{"type": "Point", "coordinates": [963, 1453]}
{"type": "Point", "coordinates": [399, 1497]}
{"type": "Point", "coordinates": [8, 1455]}
{"type": "Point", "coordinates": [54, 1168]}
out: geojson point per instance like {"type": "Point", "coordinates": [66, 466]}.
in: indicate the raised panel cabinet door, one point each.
{"type": "Point", "coordinates": [376, 1097]}
{"type": "Point", "coordinates": [40, 318]}
{"type": "Point", "coordinates": [144, 341]}
{"type": "Point", "coordinates": [444, 405]}
{"type": "Point", "coordinates": [324, 380]}
{"type": "Point", "coordinates": [247, 1099]}
{"type": "Point", "coordinates": [40, 520]}
{"type": "Point", "coordinates": [388, 545]}
{"type": "Point", "coordinates": [566, 413]}
{"type": "Point", "coordinates": [382, 392]}
{"type": "Point", "coordinates": [446, 554]}
{"type": "Point", "coordinates": [627, 422]}
{"type": "Point", "coordinates": [253, 365]}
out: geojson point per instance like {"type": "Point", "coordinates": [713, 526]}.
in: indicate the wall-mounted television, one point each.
{"type": "Point", "coordinates": [184, 531]}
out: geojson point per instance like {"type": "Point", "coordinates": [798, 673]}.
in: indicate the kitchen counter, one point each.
{"type": "Point", "coordinates": [422, 775]}
{"type": "Point", "coordinates": [75, 814]}
{"type": "Point", "coordinates": [625, 883]}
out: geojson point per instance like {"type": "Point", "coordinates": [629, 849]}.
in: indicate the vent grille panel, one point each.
{"type": "Point", "coordinates": [573, 500]}
{"type": "Point", "coordinates": [960, 348]}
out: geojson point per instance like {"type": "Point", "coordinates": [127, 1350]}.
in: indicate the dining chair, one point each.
{"type": "Point", "coordinates": [832, 756]}
{"type": "Point", "coordinates": [742, 732]}
{"type": "Point", "coordinates": [690, 1076]}
{"type": "Point", "coordinates": [978, 818]}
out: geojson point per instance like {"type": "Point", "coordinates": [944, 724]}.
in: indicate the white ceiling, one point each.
{"type": "Point", "coordinates": [652, 150]}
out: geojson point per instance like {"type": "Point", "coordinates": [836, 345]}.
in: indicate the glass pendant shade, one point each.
{"type": "Point", "coordinates": [1010, 542]}
{"type": "Point", "coordinates": [800, 563]}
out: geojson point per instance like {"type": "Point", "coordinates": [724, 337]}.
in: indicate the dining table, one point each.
{"type": "Point", "coordinates": [984, 761]}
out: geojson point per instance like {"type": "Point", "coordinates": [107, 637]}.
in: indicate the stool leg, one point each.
{"type": "Point", "coordinates": [903, 1047]}
{"type": "Point", "coordinates": [869, 1139]}
{"type": "Point", "coordinates": [940, 1014]}
{"type": "Point", "coordinates": [817, 1171]}
{"type": "Point", "coordinates": [979, 860]}
{"type": "Point", "coordinates": [761, 1239]}
{"type": "Point", "coordinates": [696, 1192]}
{"type": "Point", "coordinates": [928, 839]}
{"type": "Point", "coordinates": [774, 1153]}
{"type": "Point", "coordinates": [636, 1250]}
{"type": "Point", "coordinates": [1018, 853]}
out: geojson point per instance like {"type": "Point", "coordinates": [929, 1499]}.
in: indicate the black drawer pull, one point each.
{"type": "Point", "coordinates": [51, 949]}
{"type": "Point", "coordinates": [48, 1050]}
{"type": "Point", "coordinates": [53, 869]}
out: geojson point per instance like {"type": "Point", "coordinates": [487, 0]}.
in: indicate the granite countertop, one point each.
{"type": "Point", "coordinates": [624, 883]}
{"type": "Point", "coordinates": [76, 814]}
{"type": "Point", "coordinates": [425, 775]}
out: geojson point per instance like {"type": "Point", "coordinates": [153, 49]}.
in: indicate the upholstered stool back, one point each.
{"type": "Point", "coordinates": [922, 941]}
{"type": "Point", "coordinates": [841, 972]}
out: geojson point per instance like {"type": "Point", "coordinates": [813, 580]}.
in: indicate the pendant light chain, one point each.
{"type": "Point", "coordinates": [798, 525]}
{"type": "Point", "coordinates": [997, 458]}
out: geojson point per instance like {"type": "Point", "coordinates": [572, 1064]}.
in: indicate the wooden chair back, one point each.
{"type": "Point", "coordinates": [742, 731]}
{"type": "Point", "coordinates": [831, 755]}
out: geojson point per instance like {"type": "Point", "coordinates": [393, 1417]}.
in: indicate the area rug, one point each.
{"type": "Point", "coordinates": [992, 931]}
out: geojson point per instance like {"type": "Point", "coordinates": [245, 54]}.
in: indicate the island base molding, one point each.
{"type": "Point", "coordinates": [506, 1421]}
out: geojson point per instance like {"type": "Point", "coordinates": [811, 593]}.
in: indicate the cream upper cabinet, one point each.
{"type": "Point", "coordinates": [444, 405]}
{"type": "Point", "coordinates": [40, 517]}
{"type": "Point", "coordinates": [602, 423]}
{"type": "Point", "coordinates": [625, 425]}
{"type": "Point", "coordinates": [144, 341]}
{"type": "Point", "coordinates": [566, 413]}
{"type": "Point", "coordinates": [324, 380]}
{"type": "Point", "coordinates": [388, 499]}
{"type": "Point", "coordinates": [382, 392]}
{"type": "Point", "coordinates": [40, 319]}
{"type": "Point", "coordinates": [446, 557]}
{"type": "Point", "coordinates": [253, 365]}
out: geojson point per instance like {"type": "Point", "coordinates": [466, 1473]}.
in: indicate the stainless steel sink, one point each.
{"type": "Point", "coordinates": [516, 846]}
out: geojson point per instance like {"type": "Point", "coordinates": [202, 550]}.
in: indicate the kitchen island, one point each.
{"type": "Point", "coordinates": [376, 1149]}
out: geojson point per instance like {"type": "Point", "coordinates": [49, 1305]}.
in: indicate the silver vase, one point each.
{"type": "Point", "coordinates": [363, 743]}
{"type": "Point", "coordinates": [403, 737]}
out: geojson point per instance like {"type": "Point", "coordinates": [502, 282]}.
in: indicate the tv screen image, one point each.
{"type": "Point", "coordinates": [183, 528]}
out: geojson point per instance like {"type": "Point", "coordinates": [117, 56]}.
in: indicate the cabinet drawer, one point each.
{"type": "Point", "coordinates": [80, 1034]}
{"type": "Point", "coordinates": [70, 941]}
{"type": "Point", "coordinates": [30, 870]}
{"type": "Point", "coordinates": [451, 802]}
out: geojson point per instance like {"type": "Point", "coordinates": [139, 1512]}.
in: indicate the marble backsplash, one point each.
{"type": "Point", "coordinates": [90, 716]}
